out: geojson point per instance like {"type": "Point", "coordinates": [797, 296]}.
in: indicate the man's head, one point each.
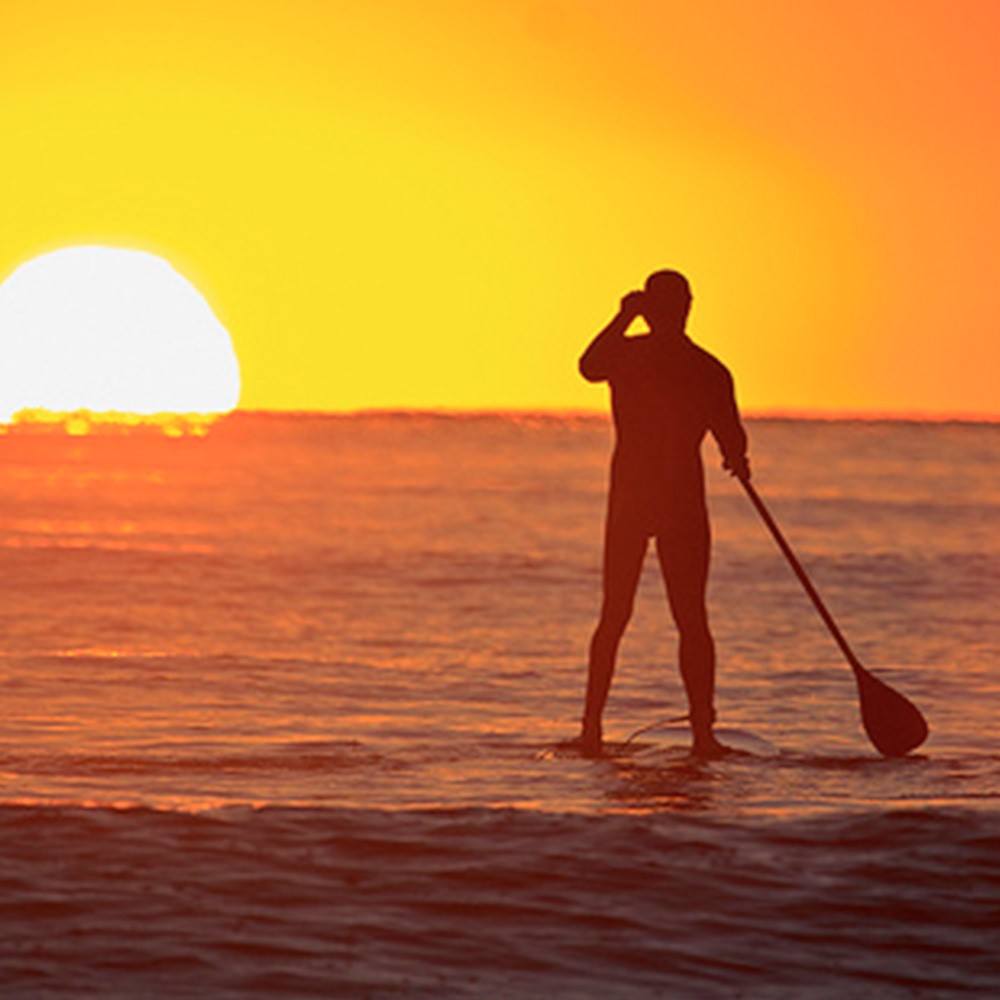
{"type": "Point", "coordinates": [667, 300]}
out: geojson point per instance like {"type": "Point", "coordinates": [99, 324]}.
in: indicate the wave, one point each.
{"type": "Point", "coordinates": [473, 902]}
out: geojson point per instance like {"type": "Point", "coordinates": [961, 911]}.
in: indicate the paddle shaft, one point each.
{"type": "Point", "coordinates": [801, 574]}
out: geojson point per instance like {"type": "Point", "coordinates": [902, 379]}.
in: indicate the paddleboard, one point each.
{"type": "Point", "coordinates": [674, 740]}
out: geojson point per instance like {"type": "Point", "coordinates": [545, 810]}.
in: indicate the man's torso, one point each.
{"type": "Point", "coordinates": [664, 397]}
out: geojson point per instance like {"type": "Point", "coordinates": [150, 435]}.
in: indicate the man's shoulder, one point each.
{"type": "Point", "coordinates": [634, 349]}
{"type": "Point", "coordinates": [644, 353]}
{"type": "Point", "coordinates": [709, 363]}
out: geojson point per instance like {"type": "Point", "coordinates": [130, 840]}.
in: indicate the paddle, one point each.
{"type": "Point", "coordinates": [893, 723]}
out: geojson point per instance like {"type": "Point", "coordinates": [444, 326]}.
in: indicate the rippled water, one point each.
{"type": "Point", "coordinates": [280, 707]}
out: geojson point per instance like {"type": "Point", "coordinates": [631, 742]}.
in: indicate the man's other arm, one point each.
{"type": "Point", "coordinates": [727, 429]}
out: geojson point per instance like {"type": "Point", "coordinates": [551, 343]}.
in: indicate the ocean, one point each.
{"type": "Point", "coordinates": [282, 706]}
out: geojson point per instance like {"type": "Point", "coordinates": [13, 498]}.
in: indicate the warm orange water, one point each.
{"type": "Point", "coordinates": [317, 665]}
{"type": "Point", "coordinates": [341, 589]}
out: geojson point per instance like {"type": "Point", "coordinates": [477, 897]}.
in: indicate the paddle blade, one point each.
{"type": "Point", "coordinates": [893, 723]}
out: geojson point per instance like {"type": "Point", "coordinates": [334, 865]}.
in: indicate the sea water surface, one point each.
{"type": "Point", "coordinates": [281, 707]}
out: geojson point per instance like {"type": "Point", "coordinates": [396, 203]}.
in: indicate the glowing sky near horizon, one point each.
{"type": "Point", "coordinates": [437, 204]}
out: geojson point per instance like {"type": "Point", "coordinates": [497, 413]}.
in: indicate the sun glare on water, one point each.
{"type": "Point", "coordinates": [100, 335]}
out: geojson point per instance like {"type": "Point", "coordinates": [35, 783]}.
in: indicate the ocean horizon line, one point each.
{"type": "Point", "coordinates": [86, 422]}
{"type": "Point", "coordinates": [543, 413]}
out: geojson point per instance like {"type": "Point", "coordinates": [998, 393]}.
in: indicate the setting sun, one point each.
{"type": "Point", "coordinates": [111, 331]}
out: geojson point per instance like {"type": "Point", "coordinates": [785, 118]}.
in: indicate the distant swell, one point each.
{"type": "Point", "coordinates": [471, 903]}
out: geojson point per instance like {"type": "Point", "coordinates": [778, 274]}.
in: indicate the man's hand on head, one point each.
{"type": "Point", "coordinates": [632, 304]}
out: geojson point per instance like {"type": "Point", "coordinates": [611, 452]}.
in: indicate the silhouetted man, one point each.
{"type": "Point", "coordinates": [665, 394]}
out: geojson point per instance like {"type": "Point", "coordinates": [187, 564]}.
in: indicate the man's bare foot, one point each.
{"type": "Point", "coordinates": [705, 746]}
{"type": "Point", "coordinates": [583, 746]}
{"type": "Point", "coordinates": [590, 745]}
{"type": "Point", "coordinates": [591, 740]}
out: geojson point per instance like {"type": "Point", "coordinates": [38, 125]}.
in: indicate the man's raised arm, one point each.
{"type": "Point", "coordinates": [597, 360]}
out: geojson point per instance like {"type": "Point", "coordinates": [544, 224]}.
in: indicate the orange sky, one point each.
{"type": "Point", "coordinates": [437, 204]}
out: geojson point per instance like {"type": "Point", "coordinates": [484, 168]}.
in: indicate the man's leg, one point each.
{"type": "Point", "coordinates": [624, 550]}
{"type": "Point", "coordinates": [684, 559]}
